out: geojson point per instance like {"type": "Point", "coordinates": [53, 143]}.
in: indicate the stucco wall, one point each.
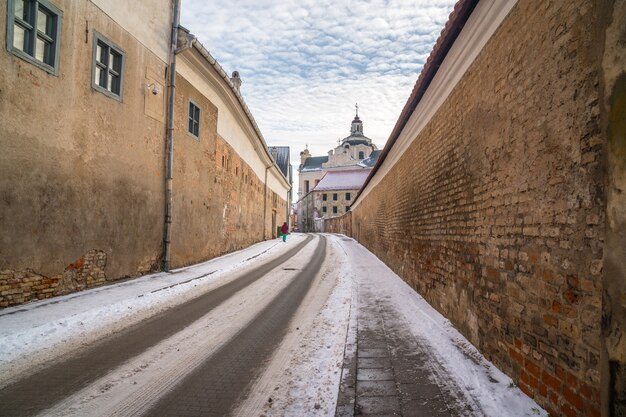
{"type": "Point", "coordinates": [79, 171]}
{"type": "Point", "coordinates": [82, 174]}
{"type": "Point", "coordinates": [148, 21]}
{"type": "Point", "coordinates": [494, 209]}
{"type": "Point", "coordinates": [232, 124]}
{"type": "Point", "coordinates": [218, 198]}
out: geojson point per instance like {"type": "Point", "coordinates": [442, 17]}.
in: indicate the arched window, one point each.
{"type": "Point", "coordinates": [361, 155]}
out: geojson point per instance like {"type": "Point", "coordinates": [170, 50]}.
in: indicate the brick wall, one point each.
{"type": "Point", "coordinates": [495, 213]}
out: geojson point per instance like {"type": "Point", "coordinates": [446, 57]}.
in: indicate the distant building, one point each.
{"type": "Point", "coordinates": [355, 152]}
{"type": "Point", "coordinates": [332, 196]}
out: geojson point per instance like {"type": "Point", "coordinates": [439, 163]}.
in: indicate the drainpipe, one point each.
{"type": "Point", "coordinates": [167, 233]}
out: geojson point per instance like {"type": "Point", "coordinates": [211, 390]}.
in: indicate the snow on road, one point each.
{"type": "Point", "coordinates": [301, 379]}
{"type": "Point", "coordinates": [35, 333]}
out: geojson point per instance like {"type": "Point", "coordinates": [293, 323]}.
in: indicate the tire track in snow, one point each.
{"type": "Point", "coordinates": [214, 388]}
{"type": "Point", "coordinates": [40, 390]}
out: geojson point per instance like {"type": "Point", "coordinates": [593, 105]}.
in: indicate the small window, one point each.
{"type": "Point", "coordinates": [306, 186]}
{"type": "Point", "coordinates": [361, 155]}
{"type": "Point", "coordinates": [347, 196]}
{"type": "Point", "coordinates": [334, 209]}
{"type": "Point", "coordinates": [34, 32]}
{"type": "Point", "coordinates": [324, 210]}
{"type": "Point", "coordinates": [194, 119]}
{"type": "Point", "coordinates": [347, 209]}
{"type": "Point", "coordinates": [325, 197]}
{"type": "Point", "coordinates": [334, 196]}
{"type": "Point", "coordinates": [108, 67]}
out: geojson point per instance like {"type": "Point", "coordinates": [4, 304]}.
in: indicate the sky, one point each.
{"type": "Point", "coordinates": [306, 63]}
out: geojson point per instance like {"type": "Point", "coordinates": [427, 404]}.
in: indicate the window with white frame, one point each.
{"type": "Point", "coordinates": [34, 32]}
{"type": "Point", "coordinates": [108, 67]}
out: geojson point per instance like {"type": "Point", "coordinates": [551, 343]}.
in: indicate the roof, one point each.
{"type": "Point", "coordinates": [314, 163]}
{"type": "Point", "coordinates": [457, 19]}
{"type": "Point", "coordinates": [343, 180]}
{"type": "Point", "coordinates": [371, 161]}
{"type": "Point", "coordinates": [281, 156]}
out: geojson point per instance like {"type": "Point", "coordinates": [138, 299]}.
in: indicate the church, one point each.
{"type": "Point", "coordinates": [338, 175]}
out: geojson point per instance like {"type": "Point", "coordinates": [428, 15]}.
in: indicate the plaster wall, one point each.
{"type": "Point", "coordinates": [80, 172]}
{"type": "Point", "coordinates": [148, 21]}
{"type": "Point", "coordinates": [232, 124]}
{"type": "Point", "coordinates": [218, 202]}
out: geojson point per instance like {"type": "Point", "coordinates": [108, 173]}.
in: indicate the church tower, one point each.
{"type": "Point", "coordinates": [357, 125]}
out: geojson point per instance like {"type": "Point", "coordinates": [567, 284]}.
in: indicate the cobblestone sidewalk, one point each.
{"type": "Point", "coordinates": [387, 372]}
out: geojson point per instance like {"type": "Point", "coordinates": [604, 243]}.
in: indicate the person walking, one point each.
{"type": "Point", "coordinates": [284, 229]}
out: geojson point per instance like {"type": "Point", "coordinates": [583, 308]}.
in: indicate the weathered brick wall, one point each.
{"type": "Point", "coordinates": [88, 271]}
{"type": "Point", "coordinates": [340, 224]}
{"type": "Point", "coordinates": [218, 198]}
{"type": "Point", "coordinates": [495, 213]}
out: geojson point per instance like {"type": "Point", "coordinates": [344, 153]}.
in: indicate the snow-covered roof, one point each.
{"type": "Point", "coordinates": [343, 180]}
{"type": "Point", "coordinates": [371, 161]}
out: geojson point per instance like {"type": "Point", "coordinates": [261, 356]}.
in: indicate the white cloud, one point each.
{"type": "Point", "coordinates": [305, 63]}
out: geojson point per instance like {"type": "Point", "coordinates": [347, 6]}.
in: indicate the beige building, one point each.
{"type": "Point", "coordinates": [331, 197]}
{"type": "Point", "coordinates": [89, 190]}
{"type": "Point", "coordinates": [354, 152]}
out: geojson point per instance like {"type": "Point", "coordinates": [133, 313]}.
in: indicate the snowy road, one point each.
{"type": "Point", "coordinates": [259, 331]}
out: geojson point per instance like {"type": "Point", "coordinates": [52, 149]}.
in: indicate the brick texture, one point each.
{"type": "Point", "coordinates": [494, 213]}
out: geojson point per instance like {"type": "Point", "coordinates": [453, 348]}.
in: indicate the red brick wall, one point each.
{"type": "Point", "coordinates": [495, 213]}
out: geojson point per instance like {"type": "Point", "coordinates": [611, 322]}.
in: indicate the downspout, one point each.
{"type": "Point", "coordinates": [167, 233]}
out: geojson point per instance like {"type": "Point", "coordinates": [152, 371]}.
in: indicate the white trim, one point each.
{"type": "Point", "coordinates": [480, 27]}
{"type": "Point", "coordinates": [242, 135]}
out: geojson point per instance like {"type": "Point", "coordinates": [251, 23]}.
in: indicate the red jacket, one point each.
{"type": "Point", "coordinates": [284, 228]}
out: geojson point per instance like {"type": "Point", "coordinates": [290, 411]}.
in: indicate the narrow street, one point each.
{"type": "Point", "coordinates": [314, 326]}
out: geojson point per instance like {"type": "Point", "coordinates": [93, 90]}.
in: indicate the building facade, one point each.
{"type": "Point", "coordinates": [84, 88]}
{"type": "Point", "coordinates": [331, 197]}
{"type": "Point", "coordinates": [354, 152]}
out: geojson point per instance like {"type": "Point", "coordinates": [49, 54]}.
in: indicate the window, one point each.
{"type": "Point", "coordinates": [334, 209]}
{"type": "Point", "coordinates": [317, 182]}
{"type": "Point", "coordinates": [194, 119]}
{"type": "Point", "coordinates": [361, 155]}
{"type": "Point", "coordinates": [347, 196]}
{"type": "Point", "coordinates": [108, 67]}
{"type": "Point", "coordinates": [306, 186]}
{"type": "Point", "coordinates": [324, 210]}
{"type": "Point", "coordinates": [325, 197]}
{"type": "Point", "coordinates": [334, 196]}
{"type": "Point", "coordinates": [347, 209]}
{"type": "Point", "coordinates": [34, 32]}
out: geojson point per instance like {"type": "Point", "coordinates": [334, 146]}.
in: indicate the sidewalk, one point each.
{"type": "Point", "coordinates": [403, 358]}
{"type": "Point", "coordinates": [387, 372]}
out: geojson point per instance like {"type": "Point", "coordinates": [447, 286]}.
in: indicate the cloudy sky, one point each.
{"type": "Point", "coordinates": [305, 63]}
